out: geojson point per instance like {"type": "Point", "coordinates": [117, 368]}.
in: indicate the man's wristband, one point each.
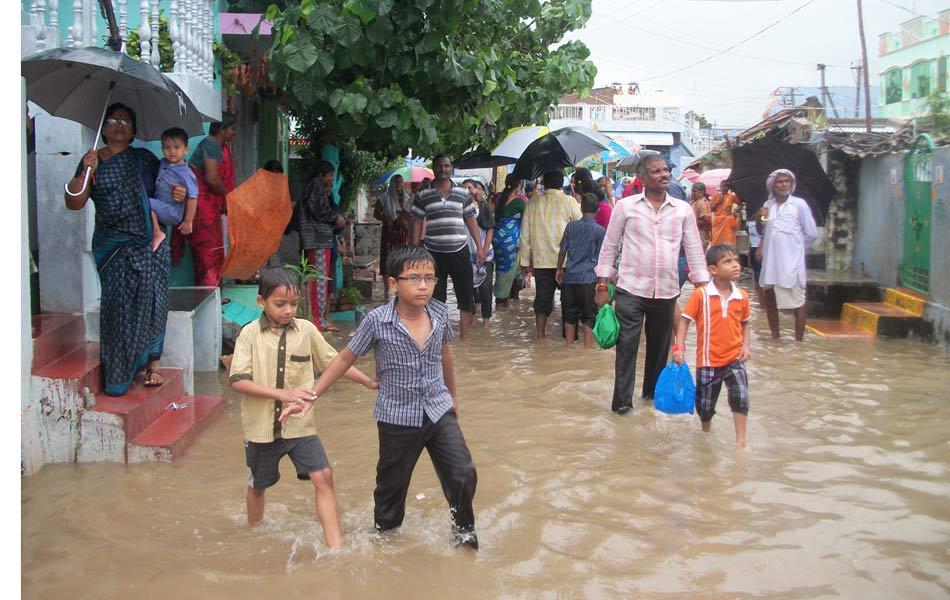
{"type": "Point", "coordinates": [601, 287]}
{"type": "Point", "coordinates": [679, 347]}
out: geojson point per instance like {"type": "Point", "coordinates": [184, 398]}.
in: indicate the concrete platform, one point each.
{"type": "Point", "coordinates": [828, 291]}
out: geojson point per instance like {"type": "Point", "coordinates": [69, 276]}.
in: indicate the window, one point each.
{"type": "Point", "coordinates": [920, 79]}
{"type": "Point", "coordinates": [942, 74]}
{"type": "Point", "coordinates": [569, 111]}
{"type": "Point", "coordinates": [893, 86]}
{"type": "Point", "coordinates": [634, 113]}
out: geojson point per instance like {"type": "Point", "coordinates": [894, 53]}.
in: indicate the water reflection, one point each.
{"type": "Point", "coordinates": [842, 491]}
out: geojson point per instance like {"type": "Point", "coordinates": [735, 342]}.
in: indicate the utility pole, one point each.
{"type": "Point", "coordinates": [864, 62]}
{"type": "Point", "coordinates": [856, 68]}
{"type": "Point", "coordinates": [825, 95]}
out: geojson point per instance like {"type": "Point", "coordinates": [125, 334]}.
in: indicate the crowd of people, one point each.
{"type": "Point", "coordinates": [578, 238]}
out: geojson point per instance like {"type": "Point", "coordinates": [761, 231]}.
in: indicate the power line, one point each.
{"type": "Point", "coordinates": [910, 10]}
{"type": "Point", "coordinates": [737, 44]}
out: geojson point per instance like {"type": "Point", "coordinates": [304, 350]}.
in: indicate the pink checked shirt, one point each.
{"type": "Point", "coordinates": [649, 245]}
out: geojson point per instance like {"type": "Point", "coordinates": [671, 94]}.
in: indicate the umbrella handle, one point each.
{"type": "Point", "coordinates": [95, 145]}
{"type": "Point", "coordinates": [85, 181]}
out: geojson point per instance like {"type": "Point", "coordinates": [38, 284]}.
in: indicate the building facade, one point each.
{"type": "Point", "coordinates": [913, 64]}
{"type": "Point", "coordinates": [636, 119]}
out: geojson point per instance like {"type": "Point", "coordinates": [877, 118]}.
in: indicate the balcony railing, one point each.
{"type": "Point", "coordinates": [190, 27]}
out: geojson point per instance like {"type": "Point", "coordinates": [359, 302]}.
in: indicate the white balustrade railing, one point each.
{"type": "Point", "coordinates": [190, 27]}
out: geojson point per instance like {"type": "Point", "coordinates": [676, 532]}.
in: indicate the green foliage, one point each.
{"type": "Point", "coordinates": [228, 60]}
{"type": "Point", "coordinates": [166, 54]}
{"type": "Point", "coordinates": [307, 272]}
{"type": "Point", "coordinates": [434, 76]}
{"type": "Point", "coordinates": [704, 122]}
{"type": "Point", "coordinates": [937, 122]}
{"type": "Point", "coordinates": [357, 166]}
{"type": "Point", "coordinates": [351, 294]}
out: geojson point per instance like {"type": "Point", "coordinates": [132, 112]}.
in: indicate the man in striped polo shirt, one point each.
{"type": "Point", "coordinates": [450, 218]}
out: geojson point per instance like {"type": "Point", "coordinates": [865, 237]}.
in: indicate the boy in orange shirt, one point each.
{"type": "Point", "coordinates": [721, 312]}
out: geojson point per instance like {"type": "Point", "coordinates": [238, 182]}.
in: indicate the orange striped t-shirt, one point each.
{"type": "Point", "coordinates": [718, 327]}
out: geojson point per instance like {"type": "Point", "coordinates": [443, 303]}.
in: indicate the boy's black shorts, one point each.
{"type": "Point", "coordinates": [577, 303]}
{"type": "Point", "coordinates": [306, 453]}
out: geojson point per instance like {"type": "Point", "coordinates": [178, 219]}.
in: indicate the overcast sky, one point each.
{"type": "Point", "coordinates": [646, 40]}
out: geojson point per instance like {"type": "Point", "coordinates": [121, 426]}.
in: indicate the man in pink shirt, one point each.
{"type": "Point", "coordinates": [647, 230]}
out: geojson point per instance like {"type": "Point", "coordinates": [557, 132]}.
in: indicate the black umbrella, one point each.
{"type": "Point", "coordinates": [559, 149]}
{"type": "Point", "coordinates": [752, 163]}
{"type": "Point", "coordinates": [480, 159]}
{"type": "Point", "coordinates": [629, 164]}
{"type": "Point", "coordinates": [79, 84]}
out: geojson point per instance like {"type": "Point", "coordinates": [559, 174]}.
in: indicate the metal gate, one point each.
{"type": "Point", "coordinates": [918, 195]}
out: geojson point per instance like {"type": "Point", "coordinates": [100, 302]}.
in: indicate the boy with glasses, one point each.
{"type": "Point", "coordinates": [417, 405]}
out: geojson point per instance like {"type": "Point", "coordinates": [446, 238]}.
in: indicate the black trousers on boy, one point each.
{"type": "Point", "coordinates": [631, 311]}
{"type": "Point", "coordinates": [399, 451]}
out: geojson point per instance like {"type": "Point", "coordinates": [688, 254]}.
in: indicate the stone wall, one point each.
{"type": "Point", "coordinates": [841, 220]}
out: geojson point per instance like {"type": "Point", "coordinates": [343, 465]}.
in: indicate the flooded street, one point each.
{"type": "Point", "coordinates": [843, 492]}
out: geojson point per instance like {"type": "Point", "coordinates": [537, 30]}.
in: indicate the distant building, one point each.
{"type": "Point", "coordinates": [636, 119]}
{"type": "Point", "coordinates": [913, 64]}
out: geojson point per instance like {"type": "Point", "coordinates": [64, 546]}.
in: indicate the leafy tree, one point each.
{"type": "Point", "coordinates": [704, 122]}
{"type": "Point", "coordinates": [432, 75]}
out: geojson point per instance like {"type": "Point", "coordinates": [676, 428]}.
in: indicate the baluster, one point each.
{"type": "Point", "coordinates": [188, 35]}
{"type": "Point", "coordinates": [123, 21]}
{"type": "Point", "coordinates": [145, 35]}
{"type": "Point", "coordinates": [91, 10]}
{"type": "Point", "coordinates": [153, 10]}
{"type": "Point", "coordinates": [38, 16]}
{"type": "Point", "coordinates": [209, 47]}
{"type": "Point", "coordinates": [205, 39]}
{"type": "Point", "coordinates": [173, 32]}
{"type": "Point", "coordinates": [74, 39]}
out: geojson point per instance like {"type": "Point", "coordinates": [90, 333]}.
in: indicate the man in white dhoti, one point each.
{"type": "Point", "coordinates": [789, 230]}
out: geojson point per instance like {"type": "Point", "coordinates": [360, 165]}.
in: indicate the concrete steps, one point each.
{"type": "Point", "coordinates": [78, 422]}
{"type": "Point", "coordinates": [168, 436]}
{"type": "Point", "coordinates": [836, 329]}
{"type": "Point", "coordinates": [900, 315]}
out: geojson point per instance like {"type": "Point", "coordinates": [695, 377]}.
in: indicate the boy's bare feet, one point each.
{"type": "Point", "coordinates": [157, 238]}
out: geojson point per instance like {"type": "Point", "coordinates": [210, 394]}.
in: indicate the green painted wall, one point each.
{"type": "Point", "coordinates": [904, 60]}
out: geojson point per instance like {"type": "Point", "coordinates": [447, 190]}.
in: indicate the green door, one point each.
{"type": "Point", "coordinates": [918, 193]}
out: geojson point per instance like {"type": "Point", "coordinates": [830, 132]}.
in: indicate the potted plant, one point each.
{"type": "Point", "coordinates": [307, 273]}
{"type": "Point", "coordinates": [350, 297]}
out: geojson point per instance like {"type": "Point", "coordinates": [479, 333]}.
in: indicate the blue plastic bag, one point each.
{"type": "Point", "coordinates": [675, 391]}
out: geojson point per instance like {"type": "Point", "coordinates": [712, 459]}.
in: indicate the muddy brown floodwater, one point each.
{"type": "Point", "coordinates": [843, 492]}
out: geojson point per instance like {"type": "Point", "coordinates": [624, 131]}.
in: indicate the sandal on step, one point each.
{"type": "Point", "coordinates": [150, 381]}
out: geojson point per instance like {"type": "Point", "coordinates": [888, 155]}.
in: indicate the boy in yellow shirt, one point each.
{"type": "Point", "coordinates": [273, 364]}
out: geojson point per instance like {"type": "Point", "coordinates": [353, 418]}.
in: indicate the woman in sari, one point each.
{"type": "Point", "coordinates": [725, 221]}
{"type": "Point", "coordinates": [134, 279]}
{"type": "Point", "coordinates": [211, 161]}
{"type": "Point", "coordinates": [509, 210]}
{"type": "Point", "coordinates": [698, 200]}
{"type": "Point", "coordinates": [393, 211]}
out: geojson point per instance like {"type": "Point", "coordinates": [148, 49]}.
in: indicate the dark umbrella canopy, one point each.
{"type": "Point", "coordinates": [629, 164]}
{"type": "Point", "coordinates": [481, 160]}
{"type": "Point", "coordinates": [752, 163]}
{"type": "Point", "coordinates": [74, 84]}
{"type": "Point", "coordinates": [559, 149]}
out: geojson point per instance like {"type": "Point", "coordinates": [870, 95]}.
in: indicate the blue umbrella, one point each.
{"type": "Point", "coordinates": [616, 152]}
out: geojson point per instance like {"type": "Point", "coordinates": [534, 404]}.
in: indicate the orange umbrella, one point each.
{"type": "Point", "coordinates": [258, 212]}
